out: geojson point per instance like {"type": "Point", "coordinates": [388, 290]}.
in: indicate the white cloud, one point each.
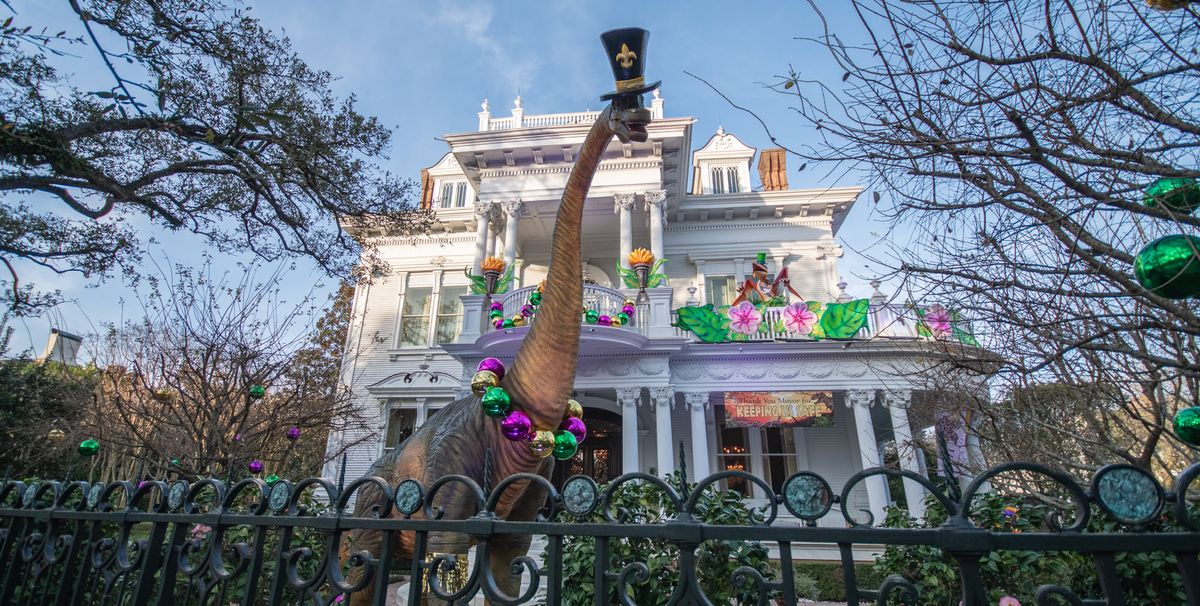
{"type": "Point", "coordinates": [474, 22]}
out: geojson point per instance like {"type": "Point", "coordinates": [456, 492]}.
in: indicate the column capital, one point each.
{"type": "Point", "coordinates": [864, 398]}
{"type": "Point", "coordinates": [662, 395]}
{"type": "Point", "coordinates": [483, 210]}
{"type": "Point", "coordinates": [656, 198]}
{"type": "Point", "coordinates": [628, 396]}
{"type": "Point", "coordinates": [623, 202]}
{"type": "Point", "coordinates": [513, 208]}
{"type": "Point", "coordinates": [897, 398]}
{"type": "Point", "coordinates": [697, 400]}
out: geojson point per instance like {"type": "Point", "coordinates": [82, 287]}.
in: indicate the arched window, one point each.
{"type": "Point", "coordinates": [717, 180]}
{"type": "Point", "coordinates": [447, 195]}
{"type": "Point", "coordinates": [460, 199]}
{"type": "Point", "coordinates": [732, 174]}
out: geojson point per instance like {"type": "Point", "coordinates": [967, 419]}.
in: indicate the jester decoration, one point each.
{"type": "Point", "coordinates": [537, 384]}
{"type": "Point", "coordinates": [759, 288]}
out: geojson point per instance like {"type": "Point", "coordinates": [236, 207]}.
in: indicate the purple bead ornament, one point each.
{"type": "Point", "coordinates": [517, 426]}
{"type": "Point", "coordinates": [628, 310]}
{"type": "Point", "coordinates": [497, 306]}
{"type": "Point", "coordinates": [575, 426]}
{"type": "Point", "coordinates": [604, 321]}
{"type": "Point", "coordinates": [293, 433]}
{"type": "Point", "coordinates": [255, 466]}
{"type": "Point", "coordinates": [499, 323]}
{"type": "Point", "coordinates": [493, 365]}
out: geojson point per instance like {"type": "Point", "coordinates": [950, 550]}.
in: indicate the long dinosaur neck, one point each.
{"type": "Point", "coordinates": [544, 371]}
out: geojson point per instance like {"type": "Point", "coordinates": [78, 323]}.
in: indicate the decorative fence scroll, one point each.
{"type": "Point", "coordinates": [249, 543]}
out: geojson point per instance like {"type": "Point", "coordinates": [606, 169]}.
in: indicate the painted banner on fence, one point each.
{"type": "Point", "coordinates": [779, 408]}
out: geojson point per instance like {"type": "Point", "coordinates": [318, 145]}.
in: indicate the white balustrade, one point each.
{"type": "Point", "coordinates": [606, 302]}
{"type": "Point", "coordinates": [542, 120]}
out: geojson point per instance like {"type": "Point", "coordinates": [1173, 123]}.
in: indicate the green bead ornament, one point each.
{"type": "Point", "coordinates": [1177, 194]}
{"type": "Point", "coordinates": [507, 323]}
{"type": "Point", "coordinates": [1187, 426]}
{"type": "Point", "coordinates": [623, 317]}
{"type": "Point", "coordinates": [565, 445]}
{"type": "Point", "coordinates": [271, 479]}
{"type": "Point", "coordinates": [89, 447]}
{"type": "Point", "coordinates": [257, 391]}
{"type": "Point", "coordinates": [1170, 267]}
{"type": "Point", "coordinates": [176, 462]}
{"type": "Point", "coordinates": [590, 316]}
{"type": "Point", "coordinates": [496, 314]}
{"type": "Point", "coordinates": [496, 402]}
{"type": "Point", "coordinates": [535, 298]}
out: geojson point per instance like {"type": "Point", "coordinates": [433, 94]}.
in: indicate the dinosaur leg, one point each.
{"type": "Point", "coordinates": [503, 549]}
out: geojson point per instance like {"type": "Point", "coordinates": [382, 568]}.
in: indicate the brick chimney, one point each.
{"type": "Point", "coordinates": [426, 189]}
{"type": "Point", "coordinates": [772, 169]}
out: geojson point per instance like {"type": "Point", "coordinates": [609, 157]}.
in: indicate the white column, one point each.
{"type": "Point", "coordinates": [868, 448]}
{"type": "Point", "coordinates": [422, 413]}
{"type": "Point", "coordinates": [623, 206]}
{"type": "Point", "coordinates": [627, 398]}
{"type": "Point", "coordinates": [697, 403]}
{"type": "Point", "coordinates": [754, 445]}
{"type": "Point", "coordinates": [495, 246]}
{"type": "Point", "coordinates": [914, 493]}
{"type": "Point", "coordinates": [483, 214]}
{"type": "Point", "coordinates": [655, 202]}
{"type": "Point", "coordinates": [512, 212]}
{"type": "Point", "coordinates": [663, 398]}
{"type": "Point", "coordinates": [701, 282]}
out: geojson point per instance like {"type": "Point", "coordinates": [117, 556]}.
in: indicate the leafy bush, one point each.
{"type": "Point", "coordinates": [1148, 579]}
{"type": "Point", "coordinates": [644, 503]}
{"type": "Point", "coordinates": [828, 579]}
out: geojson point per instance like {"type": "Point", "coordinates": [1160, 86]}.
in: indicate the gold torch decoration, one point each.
{"type": "Point", "coordinates": [641, 260]}
{"type": "Point", "coordinates": [492, 268]}
{"type": "Point", "coordinates": [452, 575]}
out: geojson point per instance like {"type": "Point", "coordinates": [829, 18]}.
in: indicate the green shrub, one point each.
{"type": "Point", "coordinates": [644, 503]}
{"type": "Point", "coordinates": [1148, 579]}
{"type": "Point", "coordinates": [828, 579]}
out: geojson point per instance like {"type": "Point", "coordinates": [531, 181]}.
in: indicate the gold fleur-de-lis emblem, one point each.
{"type": "Point", "coordinates": [626, 57]}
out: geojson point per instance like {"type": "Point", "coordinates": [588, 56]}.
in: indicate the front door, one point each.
{"type": "Point", "coordinates": [600, 454]}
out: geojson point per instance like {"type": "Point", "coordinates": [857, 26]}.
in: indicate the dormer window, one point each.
{"type": "Point", "coordinates": [717, 178]}
{"type": "Point", "coordinates": [453, 194]}
{"type": "Point", "coordinates": [731, 180]}
{"type": "Point", "coordinates": [724, 180]}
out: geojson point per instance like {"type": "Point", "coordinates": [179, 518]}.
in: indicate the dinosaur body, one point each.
{"type": "Point", "coordinates": [456, 439]}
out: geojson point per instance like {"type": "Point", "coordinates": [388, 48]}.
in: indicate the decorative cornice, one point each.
{"type": "Point", "coordinates": [693, 225]}
{"type": "Point", "coordinates": [544, 169]}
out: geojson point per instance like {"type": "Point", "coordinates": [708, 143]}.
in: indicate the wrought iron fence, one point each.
{"type": "Point", "coordinates": [249, 543]}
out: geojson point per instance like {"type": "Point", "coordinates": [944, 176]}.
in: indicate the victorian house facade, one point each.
{"type": "Point", "coordinates": [656, 393]}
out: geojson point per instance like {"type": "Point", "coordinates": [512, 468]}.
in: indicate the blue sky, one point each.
{"type": "Point", "coordinates": [424, 68]}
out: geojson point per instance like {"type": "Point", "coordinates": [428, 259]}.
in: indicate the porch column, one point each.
{"type": "Point", "coordinates": [627, 399]}
{"type": "Point", "coordinates": [495, 245]}
{"type": "Point", "coordinates": [422, 413]}
{"type": "Point", "coordinates": [697, 403]}
{"type": "Point", "coordinates": [655, 201]}
{"type": "Point", "coordinates": [897, 405]}
{"type": "Point", "coordinates": [623, 206]}
{"type": "Point", "coordinates": [483, 214]}
{"type": "Point", "coordinates": [868, 447]}
{"type": "Point", "coordinates": [512, 212]}
{"type": "Point", "coordinates": [663, 398]}
{"type": "Point", "coordinates": [701, 281]}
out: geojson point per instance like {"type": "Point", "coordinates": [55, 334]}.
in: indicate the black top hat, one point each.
{"type": "Point", "coordinates": [626, 50]}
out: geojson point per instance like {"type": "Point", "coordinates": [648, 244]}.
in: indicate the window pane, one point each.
{"type": "Point", "coordinates": [732, 451]}
{"type": "Point", "coordinates": [401, 423]}
{"type": "Point", "coordinates": [414, 319]}
{"type": "Point", "coordinates": [733, 180]}
{"type": "Point", "coordinates": [720, 290]}
{"type": "Point", "coordinates": [718, 183]}
{"type": "Point", "coordinates": [447, 193]}
{"type": "Point", "coordinates": [461, 198]}
{"type": "Point", "coordinates": [450, 303]}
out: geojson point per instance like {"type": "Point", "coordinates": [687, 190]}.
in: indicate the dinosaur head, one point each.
{"type": "Point", "coordinates": [627, 119]}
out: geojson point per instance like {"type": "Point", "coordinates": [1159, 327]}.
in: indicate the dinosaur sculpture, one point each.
{"type": "Point", "coordinates": [456, 439]}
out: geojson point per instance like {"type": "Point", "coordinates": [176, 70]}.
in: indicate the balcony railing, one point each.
{"type": "Point", "coordinates": [605, 301]}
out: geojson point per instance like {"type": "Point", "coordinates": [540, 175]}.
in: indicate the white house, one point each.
{"type": "Point", "coordinates": [647, 387]}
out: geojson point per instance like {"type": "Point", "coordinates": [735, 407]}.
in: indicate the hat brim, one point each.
{"type": "Point", "coordinates": [641, 90]}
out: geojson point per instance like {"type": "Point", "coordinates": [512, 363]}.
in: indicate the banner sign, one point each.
{"type": "Point", "coordinates": [779, 409]}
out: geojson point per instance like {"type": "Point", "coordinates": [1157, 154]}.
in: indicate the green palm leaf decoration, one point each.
{"type": "Point", "coordinates": [706, 324]}
{"type": "Point", "coordinates": [844, 320]}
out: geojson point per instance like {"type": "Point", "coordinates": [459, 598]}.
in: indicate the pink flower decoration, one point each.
{"type": "Point", "coordinates": [199, 531]}
{"type": "Point", "coordinates": [937, 320]}
{"type": "Point", "coordinates": [1009, 601]}
{"type": "Point", "coordinates": [798, 318]}
{"type": "Point", "coordinates": [744, 318]}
